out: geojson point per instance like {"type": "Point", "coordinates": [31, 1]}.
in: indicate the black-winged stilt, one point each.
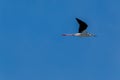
{"type": "Point", "coordinates": [81, 32]}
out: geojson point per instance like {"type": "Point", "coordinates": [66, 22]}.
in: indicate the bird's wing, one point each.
{"type": "Point", "coordinates": [82, 25]}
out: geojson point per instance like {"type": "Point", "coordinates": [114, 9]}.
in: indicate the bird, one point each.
{"type": "Point", "coordinates": [81, 31]}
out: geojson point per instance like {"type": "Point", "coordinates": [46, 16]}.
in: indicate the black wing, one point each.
{"type": "Point", "coordinates": [82, 25]}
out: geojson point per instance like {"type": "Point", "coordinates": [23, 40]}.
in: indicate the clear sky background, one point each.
{"type": "Point", "coordinates": [32, 48]}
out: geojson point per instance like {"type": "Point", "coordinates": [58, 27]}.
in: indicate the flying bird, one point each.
{"type": "Point", "coordinates": [81, 31]}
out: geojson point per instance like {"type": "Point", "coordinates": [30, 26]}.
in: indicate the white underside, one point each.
{"type": "Point", "coordinates": [84, 34]}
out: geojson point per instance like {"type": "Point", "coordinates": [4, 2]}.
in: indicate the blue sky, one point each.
{"type": "Point", "coordinates": [32, 48]}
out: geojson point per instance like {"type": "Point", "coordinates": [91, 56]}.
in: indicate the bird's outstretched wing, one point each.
{"type": "Point", "coordinates": [82, 25]}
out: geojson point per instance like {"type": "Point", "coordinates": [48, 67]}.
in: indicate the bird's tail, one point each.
{"type": "Point", "coordinates": [63, 34]}
{"type": "Point", "coordinates": [67, 34]}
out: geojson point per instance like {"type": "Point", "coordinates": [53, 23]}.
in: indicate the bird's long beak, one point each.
{"type": "Point", "coordinates": [93, 35]}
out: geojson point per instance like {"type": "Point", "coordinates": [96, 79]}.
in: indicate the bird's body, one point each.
{"type": "Point", "coordinates": [81, 32]}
